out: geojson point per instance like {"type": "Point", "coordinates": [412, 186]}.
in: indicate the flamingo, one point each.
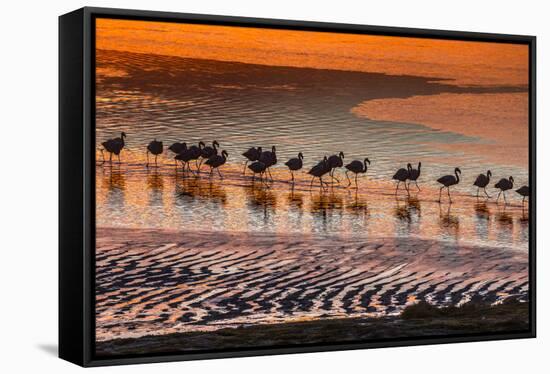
{"type": "Point", "coordinates": [295, 164]}
{"type": "Point", "coordinates": [215, 161]}
{"type": "Point", "coordinates": [525, 192]}
{"type": "Point", "coordinates": [207, 151]}
{"type": "Point", "coordinates": [413, 176]}
{"type": "Point", "coordinates": [269, 158]}
{"type": "Point", "coordinates": [318, 171]}
{"type": "Point", "coordinates": [482, 181]}
{"type": "Point", "coordinates": [504, 185]}
{"type": "Point", "coordinates": [155, 148]}
{"type": "Point", "coordinates": [115, 146]}
{"type": "Point", "coordinates": [401, 176]}
{"type": "Point", "coordinates": [335, 161]}
{"type": "Point", "coordinates": [357, 167]}
{"type": "Point", "coordinates": [177, 148]}
{"type": "Point", "coordinates": [190, 154]}
{"type": "Point", "coordinates": [257, 167]}
{"type": "Point", "coordinates": [447, 181]}
{"type": "Point", "coordinates": [252, 154]}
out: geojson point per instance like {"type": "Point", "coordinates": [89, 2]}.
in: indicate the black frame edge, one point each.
{"type": "Point", "coordinates": [76, 344]}
{"type": "Point", "coordinates": [71, 285]}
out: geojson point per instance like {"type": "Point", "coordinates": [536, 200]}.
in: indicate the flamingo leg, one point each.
{"type": "Point", "coordinates": [477, 193]}
{"type": "Point", "coordinates": [292, 173]}
{"type": "Point", "coordinates": [415, 182]}
{"type": "Point", "coordinates": [103, 156]}
{"type": "Point", "coordinates": [118, 158]}
{"type": "Point", "coordinates": [504, 195]}
{"type": "Point", "coordinates": [485, 190]}
{"type": "Point", "coordinates": [155, 160]}
{"type": "Point", "coordinates": [219, 173]}
{"type": "Point", "coordinates": [269, 172]}
{"type": "Point", "coordinates": [244, 169]}
{"type": "Point", "coordinates": [449, 193]}
{"type": "Point", "coordinates": [396, 188]}
{"type": "Point", "coordinates": [349, 180]}
{"type": "Point", "coordinates": [311, 184]}
{"type": "Point", "coordinates": [440, 191]}
{"type": "Point", "coordinates": [498, 196]}
{"type": "Point", "coordinates": [356, 186]}
{"type": "Point", "coordinates": [147, 154]}
{"type": "Point", "coordinates": [111, 157]}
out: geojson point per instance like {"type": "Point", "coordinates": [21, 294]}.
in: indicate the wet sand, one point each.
{"type": "Point", "coordinates": [156, 282]}
{"type": "Point", "coordinates": [502, 318]}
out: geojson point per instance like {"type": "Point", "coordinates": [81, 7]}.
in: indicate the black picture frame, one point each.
{"type": "Point", "coordinates": [77, 180]}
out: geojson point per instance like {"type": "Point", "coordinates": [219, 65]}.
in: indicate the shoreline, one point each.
{"type": "Point", "coordinates": [421, 321]}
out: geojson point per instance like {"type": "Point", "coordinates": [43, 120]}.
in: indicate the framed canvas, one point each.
{"type": "Point", "coordinates": [235, 186]}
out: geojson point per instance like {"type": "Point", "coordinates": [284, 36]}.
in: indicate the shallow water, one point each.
{"type": "Point", "coordinates": [298, 110]}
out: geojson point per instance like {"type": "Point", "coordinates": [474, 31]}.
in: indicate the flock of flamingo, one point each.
{"type": "Point", "coordinates": [261, 161]}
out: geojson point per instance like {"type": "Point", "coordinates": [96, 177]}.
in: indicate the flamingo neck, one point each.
{"type": "Point", "coordinates": [457, 178]}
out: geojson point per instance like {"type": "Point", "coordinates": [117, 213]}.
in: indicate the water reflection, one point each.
{"type": "Point", "coordinates": [450, 223]}
{"type": "Point", "coordinates": [482, 219]}
{"type": "Point", "coordinates": [128, 195]}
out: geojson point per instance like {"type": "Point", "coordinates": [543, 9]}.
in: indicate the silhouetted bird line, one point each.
{"type": "Point", "coordinates": [113, 146]}
{"type": "Point", "coordinates": [154, 147]}
{"type": "Point", "coordinates": [482, 181]}
{"type": "Point", "coordinates": [401, 176]}
{"type": "Point", "coordinates": [295, 164]}
{"type": "Point", "coordinates": [504, 185]}
{"type": "Point", "coordinates": [413, 176]}
{"type": "Point", "coordinates": [215, 161]}
{"type": "Point", "coordinates": [447, 181]}
{"type": "Point", "coordinates": [252, 154]}
{"type": "Point", "coordinates": [335, 161]}
{"type": "Point", "coordinates": [356, 167]}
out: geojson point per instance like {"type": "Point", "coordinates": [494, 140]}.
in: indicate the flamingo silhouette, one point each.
{"type": "Point", "coordinates": [113, 146]}
{"type": "Point", "coordinates": [216, 161]}
{"type": "Point", "coordinates": [318, 171]}
{"type": "Point", "coordinates": [295, 164]}
{"type": "Point", "coordinates": [525, 192]}
{"type": "Point", "coordinates": [258, 167]}
{"type": "Point", "coordinates": [269, 158]}
{"type": "Point", "coordinates": [482, 181]}
{"type": "Point", "coordinates": [335, 161]}
{"type": "Point", "coordinates": [413, 176]}
{"type": "Point", "coordinates": [447, 181]}
{"type": "Point", "coordinates": [207, 152]}
{"type": "Point", "coordinates": [154, 147]}
{"type": "Point", "coordinates": [401, 176]}
{"type": "Point", "coordinates": [356, 167]}
{"type": "Point", "coordinates": [252, 154]}
{"type": "Point", "coordinates": [504, 185]}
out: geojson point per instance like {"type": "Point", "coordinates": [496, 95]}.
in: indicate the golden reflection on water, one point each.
{"type": "Point", "coordinates": [129, 195]}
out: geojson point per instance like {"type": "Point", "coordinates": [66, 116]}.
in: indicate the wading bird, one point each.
{"type": "Point", "coordinates": [413, 176]}
{"type": "Point", "coordinates": [356, 167]}
{"type": "Point", "coordinates": [401, 176]}
{"type": "Point", "coordinates": [269, 158]}
{"type": "Point", "coordinates": [525, 192]}
{"type": "Point", "coordinates": [257, 167]}
{"type": "Point", "coordinates": [207, 151]}
{"type": "Point", "coordinates": [155, 148]}
{"type": "Point", "coordinates": [295, 164]}
{"type": "Point", "coordinates": [177, 148]}
{"type": "Point", "coordinates": [190, 154]}
{"type": "Point", "coordinates": [318, 171]}
{"type": "Point", "coordinates": [482, 181]}
{"type": "Point", "coordinates": [252, 154]}
{"type": "Point", "coordinates": [216, 161]}
{"type": "Point", "coordinates": [447, 181]}
{"type": "Point", "coordinates": [504, 185]}
{"type": "Point", "coordinates": [113, 146]}
{"type": "Point", "coordinates": [335, 161]}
